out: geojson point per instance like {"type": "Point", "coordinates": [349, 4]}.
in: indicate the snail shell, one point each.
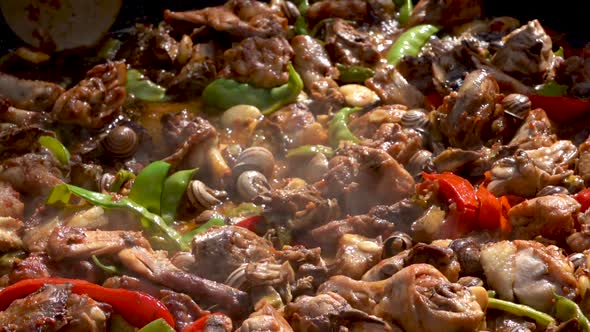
{"type": "Point", "coordinates": [396, 243]}
{"type": "Point", "coordinates": [420, 161]}
{"type": "Point", "coordinates": [251, 184]}
{"type": "Point", "coordinates": [517, 105]}
{"type": "Point", "coordinates": [552, 190]}
{"type": "Point", "coordinates": [201, 196]}
{"type": "Point", "coordinates": [121, 142]}
{"type": "Point", "coordinates": [105, 182]}
{"type": "Point", "coordinates": [416, 118]}
{"type": "Point", "coordinates": [255, 158]}
{"type": "Point", "coordinates": [578, 260]}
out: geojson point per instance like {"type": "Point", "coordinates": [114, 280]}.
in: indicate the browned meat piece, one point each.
{"type": "Point", "coordinates": [94, 100]}
{"type": "Point", "coordinates": [298, 124]}
{"type": "Point", "coordinates": [218, 323]}
{"type": "Point", "coordinates": [300, 208]}
{"type": "Point", "coordinates": [29, 95]}
{"type": "Point", "coordinates": [77, 243]}
{"type": "Point", "coordinates": [155, 266]}
{"type": "Point", "coordinates": [261, 62]}
{"type": "Point", "coordinates": [353, 10]}
{"type": "Point", "coordinates": [399, 142]}
{"type": "Point", "coordinates": [349, 46]}
{"type": "Point", "coordinates": [445, 12]}
{"type": "Point", "coordinates": [265, 319]}
{"type": "Point", "coordinates": [550, 216]}
{"type": "Point", "coordinates": [403, 214]}
{"type": "Point", "coordinates": [452, 59]}
{"type": "Point", "coordinates": [10, 229]}
{"type": "Point", "coordinates": [393, 88]}
{"type": "Point", "coordinates": [307, 264]}
{"type": "Point", "coordinates": [45, 310]}
{"type": "Point", "coordinates": [32, 267]}
{"type": "Point", "coordinates": [32, 174]}
{"type": "Point", "coordinates": [418, 72]}
{"type": "Point", "coordinates": [20, 140]}
{"type": "Point", "coordinates": [221, 250]}
{"type": "Point", "coordinates": [149, 46]}
{"type": "Point", "coordinates": [182, 307]}
{"type": "Point", "coordinates": [467, 115]}
{"type": "Point", "coordinates": [526, 53]}
{"type": "Point", "coordinates": [10, 203]}
{"type": "Point", "coordinates": [311, 60]}
{"type": "Point", "coordinates": [325, 312]}
{"type": "Point", "coordinates": [356, 254]}
{"type": "Point", "coordinates": [327, 236]}
{"type": "Point", "coordinates": [556, 158]}
{"type": "Point", "coordinates": [507, 322]}
{"type": "Point", "coordinates": [452, 160]}
{"type": "Point", "coordinates": [369, 123]}
{"type": "Point", "coordinates": [135, 284]}
{"type": "Point", "coordinates": [86, 315]}
{"type": "Point", "coordinates": [528, 272]}
{"type": "Point", "coordinates": [535, 132]}
{"type": "Point", "coordinates": [582, 163]}
{"type": "Point", "coordinates": [431, 302]}
{"type": "Point", "coordinates": [238, 18]}
{"type": "Point", "coordinates": [362, 177]}
{"type": "Point", "coordinates": [196, 74]}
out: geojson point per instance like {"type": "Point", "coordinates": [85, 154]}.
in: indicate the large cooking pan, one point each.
{"type": "Point", "coordinates": [565, 16]}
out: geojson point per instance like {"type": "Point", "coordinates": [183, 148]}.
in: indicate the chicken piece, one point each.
{"type": "Point", "coordinates": [10, 229]}
{"type": "Point", "coordinates": [582, 164]}
{"type": "Point", "coordinates": [296, 122]}
{"type": "Point", "coordinates": [238, 18]}
{"type": "Point", "coordinates": [556, 158]}
{"type": "Point", "coordinates": [526, 53]}
{"type": "Point", "coordinates": [350, 46]}
{"type": "Point", "coordinates": [149, 46]}
{"type": "Point", "coordinates": [356, 254]}
{"type": "Point", "coordinates": [29, 95]}
{"type": "Point", "coordinates": [325, 312]}
{"type": "Point", "coordinates": [44, 310]}
{"type": "Point", "coordinates": [311, 60]}
{"type": "Point", "coordinates": [32, 174]}
{"type": "Point", "coordinates": [32, 267]}
{"type": "Point", "coordinates": [444, 12]}
{"type": "Point", "coordinates": [529, 272]}
{"type": "Point", "coordinates": [182, 307]}
{"type": "Point", "coordinates": [362, 177]}
{"type": "Point", "coordinates": [70, 242]}
{"type": "Point", "coordinates": [86, 315]}
{"type": "Point", "coordinates": [535, 132]}
{"type": "Point", "coordinates": [261, 62]}
{"type": "Point", "coordinates": [369, 123]}
{"type": "Point", "coordinates": [353, 10]}
{"type": "Point", "coordinates": [393, 88]}
{"type": "Point", "coordinates": [307, 263]}
{"type": "Point", "coordinates": [266, 319]}
{"type": "Point", "coordinates": [94, 100]}
{"type": "Point", "coordinates": [467, 115]}
{"type": "Point", "coordinates": [431, 302]}
{"type": "Point", "coordinates": [20, 140]}
{"type": "Point", "coordinates": [550, 216]}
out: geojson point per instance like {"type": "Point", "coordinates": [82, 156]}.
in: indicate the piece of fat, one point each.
{"type": "Point", "coordinates": [497, 260]}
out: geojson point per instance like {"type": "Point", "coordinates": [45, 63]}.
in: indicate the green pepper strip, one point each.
{"type": "Point", "coordinates": [301, 27]}
{"type": "Point", "coordinates": [521, 310]}
{"type": "Point", "coordinates": [58, 150]}
{"type": "Point", "coordinates": [216, 221]}
{"type": "Point", "coordinates": [566, 309]}
{"type": "Point", "coordinates": [142, 88]}
{"type": "Point", "coordinates": [8, 259]}
{"type": "Point", "coordinates": [310, 151]}
{"type": "Point", "coordinates": [223, 93]}
{"type": "Point", "coordinates": [354, 74]}
{"type": "Point", "coordinates": [338, 128]}
{"type": "Point", "coordinates": [110, 269]}
{"type": "Point", "coordinates": [121, 178]}
{"type": "Point", "coordinates": [172, 193]}
{"type": "Point", "coordinates": [147, 187]}
{"type": "Point", "coordinates": [551, 89]}
{"type": "Point", "coordinates": [159, 325]}
{"type": "Point", "coordinates": [405, 12]}
{"type": "Point", "coordinates": [61, 193]}
{"type": "Point", "coordinates": [559, 52]}
{"type": "Point", "coordinates": [410, 43]}
{"type": "Point", "coordinates": [109, 49]}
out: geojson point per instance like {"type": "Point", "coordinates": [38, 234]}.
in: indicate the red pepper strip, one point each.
{"type": "Point", "coordinates": [199, 324]}
{"type": "Point", "coordinates": [137, 308]}
{"type": "Point", "coordinates": [250, 223]}
{"type": "Point", "coordinates": [490, 209]}
{"type": "Point", "coordinates": [559, 108]}
{"type": "Point", "coordinates": [583, 197]}
{"type": "Point", "coordinates": [505, 224]}
{"type": "Point", "coordinates": [434, 99]}
{"type": "Point", "coordinates": [456, 189]}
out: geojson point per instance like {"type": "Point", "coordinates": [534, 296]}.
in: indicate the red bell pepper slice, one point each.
{"type": "Point", "coordinates": [199, 324]}
{"type": "Point", "coordinates": [560, 108]}
{"type": "Point", "coordinates": [250, 223]}
{"type": "Point", "coordinates": [490, 209]}
{"type": "Point", "coordinates": [583, 197]}
{"type": "Point", "coordinates": [137, 308]}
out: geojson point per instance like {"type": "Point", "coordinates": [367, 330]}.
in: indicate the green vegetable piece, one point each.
{"type": "Point", "coordinates": [300, 26]}
{"type": "Point", "coordinates": [410, 43]}
{"type": "Point", "coordinates": [566, 309]}
{"type": "Point", "coordinates": [58, 150]}
{"type": "Point", "coordinates": [121, 178]}
{"type": "Point", "coordinates": [338, 128]}
{"type": "Point", "coordinates": [62, 193]}
{"type": "Point", "coordinates": [245, 209]}
{"type": "Point", "coordinates": [559, 52]}
{"type": "Point", "coordinates": [354, 74]}
{"type": "Point", "coordinates": [147, 187]}
{"type": "Point", "coordinates": [118, 324]}
{"type": "Point", "coordinates": [159, 325]}
{"type": "Point", "coordinates": [172, 193]}
{"type": "Point", "coordinates": [405, 12]}
{"type": "Point", "coordinates": [310, 151]}
{"type": "Point", "coordinates": [188, 236]}
{"type": "Point", "coordinates": [551, 89]}
{"type": "Point", "coordinates": [223, 94]}
{"type": "Point", "coordinates": [110, 269]}
{"type": "Point", "coordinates": [9, 258]}
{"type": "Point", "coordinates": [142, 88]}
{"type": "Point", "coordinates": [109, 49]}
{"type": "Point", "coordinates": [521, 310]}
